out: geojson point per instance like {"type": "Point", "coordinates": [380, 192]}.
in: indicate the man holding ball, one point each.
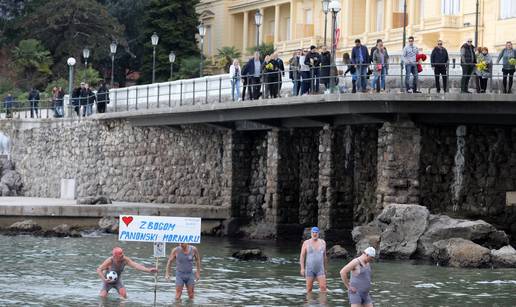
{"type": "Point", "coordinates": [116, 264]}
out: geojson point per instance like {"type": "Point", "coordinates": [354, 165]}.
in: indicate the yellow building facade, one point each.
{"type": "Point", "coordinates": [293, 24]}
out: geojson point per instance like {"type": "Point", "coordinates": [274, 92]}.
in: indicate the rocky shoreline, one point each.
{"type": "Point", "coordinates": [411, 232]}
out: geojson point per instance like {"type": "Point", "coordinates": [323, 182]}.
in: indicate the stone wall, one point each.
{"type": "Point", "coordinates": [124, 162]}
{"type": "Point", "coordinates": [469, 179]}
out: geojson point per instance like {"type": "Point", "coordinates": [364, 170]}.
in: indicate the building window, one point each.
{"type": "Point", "coordinates": [379, 15]}
{"type": "Point", "coordinates": [507, 9]}
{"type": "Point", "coordinates": [450, 7]}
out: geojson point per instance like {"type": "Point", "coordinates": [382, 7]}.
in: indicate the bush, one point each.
{"type": "Point", "coordinates": [225, 57]}
{"type": "Point", "coordinates": [264, 49]}
{"type": "Point", "coordinates": [189, 68]}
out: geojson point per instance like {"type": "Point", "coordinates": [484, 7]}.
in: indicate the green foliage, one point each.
{"type": "Point", "coordinates": [89, 75]}
{"type": "Point", "coordinates": [189, 68]}
{"type": "Point", "coordinates": [33, 62]}
{"type": "Point", "coordinates": [57, 83]}
{"type": "Point", "coordinates": [66, 27]}
{"type": "Point", "coordinates": [264, 49]}
{"type": "Point", "coordinates": [175, 21]}
{"type": "Point", "coordinates": [225, 57]}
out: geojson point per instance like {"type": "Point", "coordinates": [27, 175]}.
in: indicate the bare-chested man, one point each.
{"type": "Point", "coordinates": [184, 255]}
{"type": "Point", "coordinates": [117, 263]}
{"type": "Point", "coordinates": [314, 250]}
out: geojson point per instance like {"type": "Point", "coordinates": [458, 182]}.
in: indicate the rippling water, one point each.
{"type": "Point", "coordinates": [61, 272]}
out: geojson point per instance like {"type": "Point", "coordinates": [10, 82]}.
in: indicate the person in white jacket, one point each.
{"type": "Point", "coordinates": [235, 73]}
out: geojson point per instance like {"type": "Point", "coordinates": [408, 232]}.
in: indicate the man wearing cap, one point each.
{"type": "Point", "coordinates": [117, 263]}
{"type": "Point", "coordinates": [314, 250]}
{"type": "Point", "coordinates": [360, 284]}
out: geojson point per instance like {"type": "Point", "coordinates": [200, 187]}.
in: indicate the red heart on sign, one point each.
{"type": "Point", "coordinates": [127, 220]}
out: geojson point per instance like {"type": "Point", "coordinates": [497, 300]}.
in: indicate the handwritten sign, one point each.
{"type": "Point", "coordinates": [159, 229]}
{"type": "Point", "coordinates": [159, 249]}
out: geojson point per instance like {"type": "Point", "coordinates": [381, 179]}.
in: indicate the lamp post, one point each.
{"type": "Point", "coordinates": [404, 39]}
{"type": "Point", "coordinates": [334, 7]}
{"type": "Point", "coordinates": [258, 21]}
{"type": "Point", "coordinates": [477, 12]}
{"type": "Point", "coordinates": [86, 55]}
{"type": "Point", "coordinates": [154, 41]}
{"type": "Point", "coordinates": [112, 49]}
{"type": "Point", "coordinates": [325, 8]}
{"type": "Point", "coordinates": [71, 63]}
{"type": "Point", "coordinates": [202, 33]}
{"type": "Point", "coordinates": [172, 59]}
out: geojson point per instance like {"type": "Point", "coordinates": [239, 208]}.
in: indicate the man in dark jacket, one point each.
{"type": "Point", "coordinates": [91, 99]}
{"type": "Point", "coordinates": [439, 61]}
{"type": "Point", "coordinates": [313, 60]}
{"type": "Point", "coordinates": [325, 67]}
{"type": "Point", "coordinates": [467, 62]}
{"type": "Point", "coordinates": [281, 70]}
{"type": "Point", "coordinates": [255, 74]}
{"type": "Point", "coordinates": [34, 102]}
{"type": "Point", "coordinates": [360, 58]}
{"type": "Point", "coordinates": [247, 83]}
{"type": "Point", "coordinates": [76, 100]}
{"type": "Point", "coordinates": [102, 97]}
{"type": "Point", "coordinates": [8, 104]}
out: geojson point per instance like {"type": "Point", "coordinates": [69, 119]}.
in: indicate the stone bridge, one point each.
{"type": "Point", "coordinates": [285, 164]}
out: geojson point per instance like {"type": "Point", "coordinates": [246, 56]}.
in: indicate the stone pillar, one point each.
{"type": "Point", "coordinates": [326, 192]}
{"type": "Point", "coordinates": [293, 19]}
{"type": "Point", "coordinates": [388, 19]}
{"type": "Point", "coordinates": [399, 147]}
{"type": "Point", "coordinates": [276, 23]}
{"type": "Point", "coordinates": [412, 16]}
{"type": "Point", "coordinates": [345, 19]}
{"type": "Point", "coordinates": [368, 17]}
{"type": "Point", "coordinates": [260, 37]}
{"type": "Point", "coordinates": [246, 31]}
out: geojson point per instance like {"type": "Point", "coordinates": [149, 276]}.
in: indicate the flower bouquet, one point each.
{"type": "Point", "coordinates": [512, 61]}
{"type": "Point", "coordinates": [481, 66]}
{"type": "Point", "coordinates": [269, 66]}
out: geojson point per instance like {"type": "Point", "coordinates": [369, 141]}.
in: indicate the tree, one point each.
{"type": "Point", "coordinates": [89, 75]}
{"type": "Point", "coordinates": [32, 62]}
{"type": "Point", "coordinates": [226, 55]}
{"type": "Point", "coordinates": [66, 27]}
{"type": "Point", "coordinates": [264, 49]}
{"type": "Point", "coordinates": [175, 21]}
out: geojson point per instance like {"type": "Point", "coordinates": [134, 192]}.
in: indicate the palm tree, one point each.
{"type": "Point", "coordinates": [226, 55]}
{"type": "Point", "coordinates": [33, 62]}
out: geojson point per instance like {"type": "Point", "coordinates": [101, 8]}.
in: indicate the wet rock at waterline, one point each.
{"type": "Point", "coordinates": [108, 224]}
{"type": "Point", "coordinates": [337, 252]}
{"type": "Point", "coordinates": [32, 228]}
{"type": "Point", "coordinates": [408, 231]}
{"type": "Point", "coordinates": [250, 254]}
{"type": "Point", "coordinates": [24, 226]}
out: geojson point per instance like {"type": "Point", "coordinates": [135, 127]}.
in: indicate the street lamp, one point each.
{"type": "Point", "coordinates": [71, 63]}
{"type": "Point", "coordinates": [202, 33]}
{"type": "Point", "coordinates": [404, 38]}
{"type": "Point", "coordinates": [334, 8]}
{"type": "Point", "coordinates": [86, 55]}
{"type": "Point", "coordinates": [171, 59]}
{"type": "Point", "coordinates": [476, 24]}
{"type": "Point", "coordinates": [326, 9]}
{"type": "Point", "coordinates": [112, 48]}
{"type": "Point", "coordinates": [154, 41]}
{"type": "Point", "coordinates": [258, 21]}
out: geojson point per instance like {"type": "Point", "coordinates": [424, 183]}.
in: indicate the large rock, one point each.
{"type": "Point", "coordinates": [250, 254]}
{"type": "Point", "coordinates": [442, 227]}
{"type": "Point", "coordinates": [25, 226]}
{"type": "Point", "coordinates": [402, 226]}
{"type": "Point", "coordinates": [504, 257]}
{"type": "Point", "coordinates": [12, 179]}
{"type": "Point", "coordinates": [337, 252]}
{"type": "Point", "coordinates": [365, 236]}
{"type": "Point", "coordinates": [461, 253]}
{"type": "Point", "coordinates": [63, 230]}
{"type": "Point", "coordinates": [108, 224]}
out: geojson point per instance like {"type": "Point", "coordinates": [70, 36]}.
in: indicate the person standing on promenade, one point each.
{"type": "Point", "coordinates": [235, 75]}
{"type": "Point", "coordinates": [184, 255]}
{"type": "Point", "coordinates": [508, 55]}
{"type": "Point", "coordinates": [439, 61]}
{"type": "Point", "coordinates": [360, 284]}
{"type": "Point", "coordinates": [409, 59]}
{"type": "Point", "coordinates": [360, 58]}
{"type": "Point", "coordinates": [314, 251]}
{"type": "Point", "coordinates": [117, 263]}
{"type": "Point", "coordinates": [467, 62]}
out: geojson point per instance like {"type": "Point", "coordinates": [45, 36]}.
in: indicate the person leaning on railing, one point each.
{"type": "Point", "coordinates": [483, 69]}
{"type": "Point", "coordinates": [313, 60]}
{"type": "Point", "coordinates": [294, 73]}
{"type": "Point", "coordinates": [381, 61]}
{"type": "Point", "coordinates": [346, 59]}
{"type": "Point", "coordinates": [439, 60]}
{"type": "Point", "coordinates": [102, 97]}
{"type": "Point", "coordinates": [325, 67]}
{"type": "Point", "coordinates": [468, 60]}
{"type": "Point", "coordinates": [508, 55]}
{"type": "Point", "coordinates": [8, 105]}
{"type": "Point", "coordinates": [34, 102]}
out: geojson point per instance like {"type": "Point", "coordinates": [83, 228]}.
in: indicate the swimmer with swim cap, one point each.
{"type": "Point", "coordinates": [117, 263]}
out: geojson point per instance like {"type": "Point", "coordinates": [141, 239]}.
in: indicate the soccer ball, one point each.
{"type": "Point", "coordinates": [111, 276]}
